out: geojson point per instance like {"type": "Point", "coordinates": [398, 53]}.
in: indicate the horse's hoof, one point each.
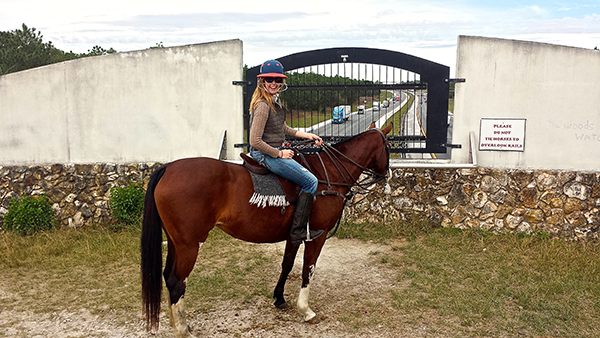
{"type": "Point", "coordinates": [315, 320]}
{"type": "Point", "coordinates": [186, 334]}
{"type": "Point", "coordinates": [281, 305]}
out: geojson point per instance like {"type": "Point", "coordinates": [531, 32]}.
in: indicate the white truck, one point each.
{"type": "Point", "coordinates": [341, 114]}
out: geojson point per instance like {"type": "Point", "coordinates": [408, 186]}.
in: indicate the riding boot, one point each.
{"type": "Point", "coordinates": [299, 231]}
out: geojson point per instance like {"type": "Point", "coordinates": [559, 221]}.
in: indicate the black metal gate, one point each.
{"type": "Point", "coordinates": [336, 93]}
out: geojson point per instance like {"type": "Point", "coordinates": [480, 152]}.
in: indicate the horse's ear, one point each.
{"type": "Point", "coordinates": [371, 126]}
{"type": "Point", "coordinates": [387, 129]}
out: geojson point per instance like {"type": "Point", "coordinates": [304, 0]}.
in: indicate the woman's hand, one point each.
{"type": "Point", "coordinates": [311, 136]}
{"type": "Point", "coordinates": [286, 153]}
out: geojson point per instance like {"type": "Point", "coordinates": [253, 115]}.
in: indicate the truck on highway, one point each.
{"type": "Point", "coordinates": [340, 114]}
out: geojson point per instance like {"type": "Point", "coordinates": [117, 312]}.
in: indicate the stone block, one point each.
{"type": "Point", "coordinates": [577, 190]}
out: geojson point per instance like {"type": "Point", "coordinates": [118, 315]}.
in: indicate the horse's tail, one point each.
{"type": "Point", "coordinates": [151, 248]}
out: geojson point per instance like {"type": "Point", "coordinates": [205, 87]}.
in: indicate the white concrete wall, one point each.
{"type": "Point", "coordinates": [555, 88]}
{"type": "Point", "coordinates": [153, 105]}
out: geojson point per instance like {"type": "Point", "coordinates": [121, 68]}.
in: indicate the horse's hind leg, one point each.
{"type": "Point", "coordinates": [286, 267]}
{"type": "Point", "coordinates": [180, 262]}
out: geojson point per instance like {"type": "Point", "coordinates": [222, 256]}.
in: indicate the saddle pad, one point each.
{"type": "Point", "coordinates": [267, 191]}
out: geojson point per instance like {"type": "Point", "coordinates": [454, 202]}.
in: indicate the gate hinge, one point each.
{"type": "Point", "coordinates": [456, 80]}
{"type": "Point", "coordinates": [240, 83]}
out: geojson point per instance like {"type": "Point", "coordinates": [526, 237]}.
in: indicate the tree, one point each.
{"type": "Point", "coordinates": [23, 49]}
{"type": "Point", "coordinates": [158, 45]}
{"type": "Point", "coordinates": [97, 50]}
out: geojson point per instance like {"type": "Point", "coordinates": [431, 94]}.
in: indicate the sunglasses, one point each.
{"type": "Point", "coordinates": [273, 79]}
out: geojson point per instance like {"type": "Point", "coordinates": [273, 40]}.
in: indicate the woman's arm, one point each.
{"type": "Point", "coordinates": [310, 136]}
{"type": "Point", "coordinates": [301, 134]}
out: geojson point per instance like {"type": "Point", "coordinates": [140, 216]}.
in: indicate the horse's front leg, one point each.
{"type": "Point", "coordinates": [286, 267]}
{"type": "Point", "coordinates": [311, 254]}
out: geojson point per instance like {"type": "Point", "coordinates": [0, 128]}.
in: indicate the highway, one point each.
{"type": "Point", "coordinates": [358, 123]}
{"type": "Point", "coordinates": [414, 123]}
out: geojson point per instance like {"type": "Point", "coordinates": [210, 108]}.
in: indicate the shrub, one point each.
{"type": "Point", "coordinates": [126, 203]}
{"type": "Point", "coordinates": [27, 215]}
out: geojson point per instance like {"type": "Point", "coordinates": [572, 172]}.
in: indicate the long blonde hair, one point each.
{"type": "Point", "coordinates": [261, 94]}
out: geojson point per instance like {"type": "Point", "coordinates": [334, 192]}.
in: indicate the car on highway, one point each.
{"type": "Point", "coordinates": [375, 105]}
{"type": "Point", "coordinates": [361, 109]}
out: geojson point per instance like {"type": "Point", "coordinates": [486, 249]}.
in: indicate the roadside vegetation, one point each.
{"type": "Point", "coordinates": [399, 116]}
{"type": "Point", "coordinates": [301, 116]}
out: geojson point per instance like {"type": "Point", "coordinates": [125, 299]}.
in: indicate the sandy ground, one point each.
{"type": "Point", "coordinates": [348, 276]}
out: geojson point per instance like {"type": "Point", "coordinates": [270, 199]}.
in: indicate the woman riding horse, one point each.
{"type": "Point", "coordinates": [267, 133]}
{"type": "Point", "coordinates": [189, 197]}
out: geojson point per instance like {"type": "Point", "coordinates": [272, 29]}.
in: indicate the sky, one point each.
{"type": "Point", "coordinates": [269, 29]}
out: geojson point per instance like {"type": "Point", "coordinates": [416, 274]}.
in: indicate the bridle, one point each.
{"type": "Point", "coordinates": [363, 187]}
{"type": "Point", "coordinates": [334, 156]}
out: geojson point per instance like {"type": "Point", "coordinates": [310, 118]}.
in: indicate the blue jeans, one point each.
{"type": "Point", "coordinates": [288, 169]}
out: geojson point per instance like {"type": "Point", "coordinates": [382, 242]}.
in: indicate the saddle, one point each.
{"type": "Point", "coordinates": [253, 166]}
{"type": "Point", "coordinates": [290, 189]}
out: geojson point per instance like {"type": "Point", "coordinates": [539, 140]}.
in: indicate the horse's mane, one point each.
{"type": "Point", "coordinates": [351, 138]}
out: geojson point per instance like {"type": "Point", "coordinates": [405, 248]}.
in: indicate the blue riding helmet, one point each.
{"type": "Point", "coordinates": [271, 68]}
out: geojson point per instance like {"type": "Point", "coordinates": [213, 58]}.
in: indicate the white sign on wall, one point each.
{"type": "Point", "coordinates": [502, 134]}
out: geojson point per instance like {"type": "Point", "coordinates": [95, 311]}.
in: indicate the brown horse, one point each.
{"type": "Point", "coordinates": [189, 197]}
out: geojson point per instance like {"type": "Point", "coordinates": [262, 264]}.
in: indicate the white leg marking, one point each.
{"type": "Point", "coordinates": [178, 320]}
{"type": "Point", "coordinates": [303, 304]}
{"type": "Point", "coordinates": [171, 316]}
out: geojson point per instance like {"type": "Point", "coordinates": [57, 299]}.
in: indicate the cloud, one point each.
{"type": "Point", "coordinates": [205, 20]}
{"type": "Point", "coordinates": [427, 29]}
{"type": "Point", "coordinates": [537, 10]}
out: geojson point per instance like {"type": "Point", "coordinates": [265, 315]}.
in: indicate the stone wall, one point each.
{"type": "Point", "coordinates": [560, 203]}
{"type": "Point", "coordinates": [79, 193]}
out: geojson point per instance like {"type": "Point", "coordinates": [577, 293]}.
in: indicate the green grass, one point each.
{"type": "Point", "coordinates": [98, 268]}
{"type": "Point", "coordinates": [65, 268]}
{"type": "Point", "coordinates": [67, 248]}
{"type": "Point", "coordinates": [311, 119]}
{"type": "Point", "coordinates": [467, 283]}
{"type": "Point", "coordinates": [228, 271]}
{"type": "Point", "coordinates": [397, 118]}
{"type": "Point", "coordinates": [494, 284]}
{"type": "Point", "coordinates": [410, 229]}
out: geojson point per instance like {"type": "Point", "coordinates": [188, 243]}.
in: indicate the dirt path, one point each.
{"type": "Point", "coordinates": [349, 276]}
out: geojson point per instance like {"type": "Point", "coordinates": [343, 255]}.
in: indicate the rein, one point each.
{"type": "Point", "coordinates": [334, 156]}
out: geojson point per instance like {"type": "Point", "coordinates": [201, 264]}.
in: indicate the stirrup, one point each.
{"type": "Point", "coordinates": [316, 233]}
